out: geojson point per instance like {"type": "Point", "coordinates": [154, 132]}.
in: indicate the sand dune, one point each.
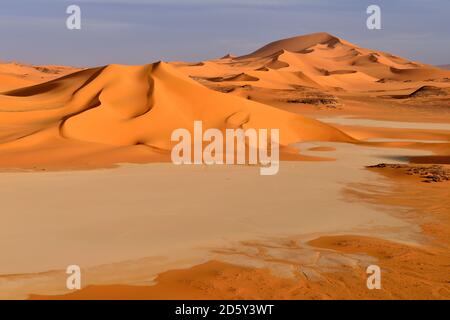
{"type": "Point", "coordinates": [15, 75]}
{"type": "Point", "coordinates": [127, 114]}
{"type": "Point", "coordinates": [320, 55]}
{"type": "Point", "coordinates": [101, 116]}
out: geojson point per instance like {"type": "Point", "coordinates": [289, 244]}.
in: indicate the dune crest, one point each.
{"type": "Point", "coordinates": [295, 44]}
{"type": "Point", "coordinates": [105, 115]}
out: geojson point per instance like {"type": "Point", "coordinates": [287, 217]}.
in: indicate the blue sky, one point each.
{"type": "Point", "coordinates": [143, 31]}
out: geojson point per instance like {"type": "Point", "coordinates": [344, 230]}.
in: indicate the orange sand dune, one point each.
{"type": "Point", "coordinates": [325, 62]}
{"type": "Point", "coordinates": [127, 114]}
{"type": "Point", "coordinates": [15, 75]}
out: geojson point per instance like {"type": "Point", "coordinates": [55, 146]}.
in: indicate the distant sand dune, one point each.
{"type": "Point", "coordinates": [320, 55]}
{"type": "Point", "coordinates": [15, 75]}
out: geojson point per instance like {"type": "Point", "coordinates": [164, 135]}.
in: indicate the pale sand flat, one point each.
{"type": "Point", "coordinates": [100, 217]}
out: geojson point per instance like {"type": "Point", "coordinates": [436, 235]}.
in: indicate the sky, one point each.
{"type": "Point", "coordinates": [144, 31]}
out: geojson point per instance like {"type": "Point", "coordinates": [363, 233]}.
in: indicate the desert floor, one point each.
{"type": "Point", "coordinates": [144, 231]}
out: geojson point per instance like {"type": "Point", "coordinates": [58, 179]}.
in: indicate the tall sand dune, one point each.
{"type": "Point", "coordinates": [319, 55]}
{"type": "Point", "coordinates": [122, 113]}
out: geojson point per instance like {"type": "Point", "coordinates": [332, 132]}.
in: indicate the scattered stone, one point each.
{"type": "Point", "coordinates": [428, 173]}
